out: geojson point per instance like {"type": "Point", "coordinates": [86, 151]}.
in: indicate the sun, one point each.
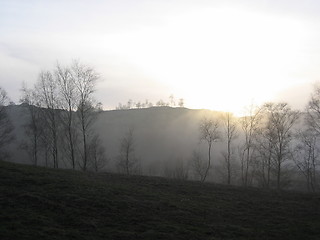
{"type": "Point", "coordinates": [227, 59]}
{"type": "Point", "coordinates": [220, 58]}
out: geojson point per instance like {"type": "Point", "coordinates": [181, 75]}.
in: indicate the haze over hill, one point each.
{"type": "Point", "coordinates": [218, 55]}
{"type": "Point", "coordinates": [165, 140]}
{"type": "Point", "coordinates": [162, 135]}
{"type": "Point", "coordinates": [99, 172]}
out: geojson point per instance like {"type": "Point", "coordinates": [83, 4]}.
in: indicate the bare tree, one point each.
{"type": "Point", "coordinates": [198, 164]}
{"type": "Point", "coordinates": [181, 102]}
{"type": "Point", "coordinates": [69, 100]}
{"type": "Point", "coordinates": [172, 100]}
{"type": "Point", "coordinates": [33, 128]}
{"type": "Point", "coordinates": [130, 104]}
{"type": "Point", "coordinates": [47, 91]}
{"type": "Point", "coordinates": [97, 152]}
{"type": "Point", "coordinates": [230, 131]}
{"type": "Point", "coordinates": [306, 156]}
{"type": "Point", "coordinates": [85, 79]}
{"type": "Point", "coordinates": [309, 138]}
{"type": "Point", "coordinates": [148, 104]}
{"type": "Point", "coordinates": [264, 148]}
{"type": "Point", "coordinates": [126, 158]}
{"type": "Point", "coordinates": [6, 127]}
{"type": "Point", "coordinates": [313, 110]}
{"type": "Point", "coordinates": [280, 121]}
{"type": "Point", "coordinates": [87, 115]}
{"type": "Point", "coordinates": [176, 168]}
{"type": "Point", "coordinates": [209, 133]}
{"type": "Point", "coordinates": [139, 105]}
{"type": "Point", "coordinates": [249, 125]}
{"type": "Point", "coordinates": [181, 169]}
{"type": "Point", "coordinates": [161, 103]}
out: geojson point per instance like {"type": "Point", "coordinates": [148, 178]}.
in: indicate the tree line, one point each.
{"type": "Point", "coordinates": [61, 112]}
{"type": "Point", "coordinates": [275, 142]}
{"type": "Point", "coordinates": [147, 104]}
{"type": "Point", "coordinates": [262, 148]}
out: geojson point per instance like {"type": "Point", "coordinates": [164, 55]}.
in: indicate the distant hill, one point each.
{"type": "Point", "coordinates": [164, 141]}
{"type": "Point", "coordinates": [162, 135]}
{"type": "Point", "coordinates": [44, 203]}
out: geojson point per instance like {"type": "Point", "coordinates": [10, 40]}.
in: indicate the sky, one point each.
{"type": "Point", "coordinates": [219, 55]}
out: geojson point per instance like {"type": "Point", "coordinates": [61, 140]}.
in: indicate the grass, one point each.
{"type": "Point", "coordinates": [40, 203]}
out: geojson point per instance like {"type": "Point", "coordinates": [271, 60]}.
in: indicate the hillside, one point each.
{"type": "Point", "coordinates": [40, 203]}
{"type": "Point", "coordinates": [161, 135]}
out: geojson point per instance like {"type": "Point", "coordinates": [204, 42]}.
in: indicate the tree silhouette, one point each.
{"type": "Point", "coordinates": [6, 127]}
{"type": "Point", "coordinates": [209, 133]}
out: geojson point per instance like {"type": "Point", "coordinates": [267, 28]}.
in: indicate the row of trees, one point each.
{"type": "Point", "coordinates": [274, 140]}
{"type": "Point", "coordinates": [147, 104]}
{"type": "Point", "coordinates": [264, 146]}
{"type": "Point", "coordinates": [61, 112]}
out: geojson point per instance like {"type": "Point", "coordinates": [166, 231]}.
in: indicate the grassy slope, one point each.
{"type": "Point", "coordinates": [39, 203]}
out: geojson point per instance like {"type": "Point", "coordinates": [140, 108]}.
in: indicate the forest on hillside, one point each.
{"type": "Point", "coordinates": [61, 125]}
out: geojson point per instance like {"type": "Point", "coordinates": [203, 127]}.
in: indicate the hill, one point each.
{"type": "Point", "coordinates": [40, 203]}
{"type": "Point", "coordinates": [161, 135]}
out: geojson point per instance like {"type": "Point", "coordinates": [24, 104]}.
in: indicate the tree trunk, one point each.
{"type": "Point", "coordinates": [71, 137]}
{"type": "Point", "coordinates": [228, 161]}
{"type": "Point", "coordinates": [279, 175]}
{"type": "Point", "coordinates": [84, 138]}
{"type": "Point", "coordinates": [209, 163]}
{"type": "Point", "coordinates": [247, 168]}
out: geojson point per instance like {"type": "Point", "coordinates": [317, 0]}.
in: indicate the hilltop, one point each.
{"type": "Point", "coordinates": [42, 203]}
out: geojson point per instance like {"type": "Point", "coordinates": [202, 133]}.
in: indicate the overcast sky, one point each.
{"type": "Point", "coordinates": [219, 55]}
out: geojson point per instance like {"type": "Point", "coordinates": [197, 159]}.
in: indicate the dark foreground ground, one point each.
{"type": "Point", "coordinates": [39, 203]}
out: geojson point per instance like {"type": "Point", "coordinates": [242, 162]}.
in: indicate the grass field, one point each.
{"type": "Point", "coordinates": [40, 203]}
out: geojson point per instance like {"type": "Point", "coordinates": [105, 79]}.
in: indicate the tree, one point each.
{"type": "Point", "coordinates": [279, 124]}
{"type": "Point", "coordinates": [85, 79]}
{"type": "Point", "coordinates": [309, 138]}
{"type": "Point", "coordinates": [176, 168]}
{"type": "Point", "coordinates": [264, 148]}
{"type": "Point", "coordinates": [180, 169]}
{"type": "Point", "coordinates": [34, 127]}
{"type": "Point", "coordinates": [6, 127]}
{"type": "Point", "coordinates": [161, 103]}
{"type": "Point", "coordinates": [249, 124]}
{"type": "Point", "coordinates": [230, 130]}
{"type": "Point", "coordinates": [172, 100]}
{"type": "Point", "coordinates": [139, 105]}
{"type": "Point", "coordinates": [97, 153]}
{"type": "Point", "coordinates": [69, 100]}
{"type": "Point", "coordinates": [209, 133]}
{"type": "Point", "coordinates": [127, 160]}
{"type": "Point", "coordinates": [198, 164]}
{"type": "Point", "coordinates": [306, 156]}
{"type": "Point", "coordinates": [148, 104]}
{"type": "Point", "coordinates": [313, 110]}
{"type": "Point", "coordinates": [130, 104]}
{"type": "Point", "coordinates": [181, 102]}
{"type": "Point", "coordinates": [47, 94]}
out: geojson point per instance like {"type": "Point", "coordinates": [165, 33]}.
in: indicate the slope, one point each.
{"type": "Point", "coordinates": [40, 203]}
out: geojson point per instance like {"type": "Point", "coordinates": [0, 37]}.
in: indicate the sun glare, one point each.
{"type": "Point", "coordinates": [221, 59]}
